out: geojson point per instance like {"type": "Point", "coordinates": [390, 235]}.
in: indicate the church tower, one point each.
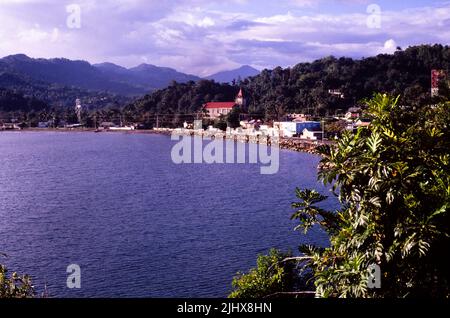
{"type": "Point", "coordinates": [78, 109]}
{"type": "Point", "coordinates": [240, 100]}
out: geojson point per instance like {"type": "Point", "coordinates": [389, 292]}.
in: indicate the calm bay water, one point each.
{"type": "Point", "coordinates": [136, 223]}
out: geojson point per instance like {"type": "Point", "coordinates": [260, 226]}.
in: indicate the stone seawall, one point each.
{"type": "Point", "coordinates": [294, 144]}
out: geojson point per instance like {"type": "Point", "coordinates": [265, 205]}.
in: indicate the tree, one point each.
{"type": "Point", "coordinates": [234, 118]}
{"type": "Point", "coordinates": [272, 276]}
{"type": "Point", "coordinates": [335, 128]}
{"type": "Point", "coordinates": [220, 123]}
{"type": "Point", "coordinates": [393, 181]}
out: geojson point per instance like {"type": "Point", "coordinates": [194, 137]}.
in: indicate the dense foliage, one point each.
{"type": "Point", "coordinates": [57, 96]}
{"type": "Point", "coordinates": [306, 87]}
{"type": "Point", "coordinates": [179, 101]}
{"type": "Point", "coordinates": [393, 182]}
{"type": "Point", "coordinates": [14, 285]}
{"type": "Point", "coordinates": [271, 276]}
{"type": "Point", "coordinates": [11, 101]}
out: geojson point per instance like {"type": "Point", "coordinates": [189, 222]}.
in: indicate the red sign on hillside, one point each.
{"type": "Point", "coordinates": [436, 77]}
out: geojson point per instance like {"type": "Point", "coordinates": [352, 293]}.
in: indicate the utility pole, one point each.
{"type": "Point", "coordinates": [323, 130]}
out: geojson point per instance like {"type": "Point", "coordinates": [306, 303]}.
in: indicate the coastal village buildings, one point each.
{"type": "Point", "coordinates": [336, 92]}
{"type": "Point", "coordinates": [290, 129]}
{"type": "Point", "coordinates": [107, 125]}
{"type": "Point", "coordinates": [45, 124]}
{"type": "Point", "coordinates": [362, 122]}
{"type": "Point", "coordinates": [312, 134]}
{"type": "Point", "coordinates": [10, 126]}
{"type": "Point", "coordinates": [353, 113]}
{"type": "Point", "coordinates": [299, 117]}
{"type": "Point", "coordinates": [217, 109]}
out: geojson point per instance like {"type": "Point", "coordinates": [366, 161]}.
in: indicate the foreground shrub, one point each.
{"type": "Point", "coordinates": [14, 285]}
{"type": "Point", "coordinates": [393, 182]}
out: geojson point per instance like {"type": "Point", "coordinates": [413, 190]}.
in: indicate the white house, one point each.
{"type": "Point", "coordinates": [313, 134]}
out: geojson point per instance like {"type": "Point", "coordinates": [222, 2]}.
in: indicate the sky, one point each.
{"type": "Point", "coordinates": [202, 37]}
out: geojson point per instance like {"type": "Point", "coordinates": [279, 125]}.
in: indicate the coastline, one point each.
{"type": "Point", "coordinates": [293, 144]}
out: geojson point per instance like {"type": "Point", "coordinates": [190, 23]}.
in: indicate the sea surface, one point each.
{"type": "Point", "coordinates": [137, 224]}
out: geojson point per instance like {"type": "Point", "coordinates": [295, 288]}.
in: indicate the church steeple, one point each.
{"type": "Point", "coordinates": [240, 101]}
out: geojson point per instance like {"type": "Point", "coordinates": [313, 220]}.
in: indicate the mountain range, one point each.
{"type": "Point", "coordinates": [98, 77]}
{"type": "Point", "coordinates": [58, 82]}
{"type": "Point", "coordinates": [104, 77]}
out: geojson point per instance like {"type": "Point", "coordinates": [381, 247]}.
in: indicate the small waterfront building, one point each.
{"type": "Point", "coordinates": [312, 134]}
{"type": "Point", "coordinates": [217, 109]}
{"type": "Point", "coordinates": [74, 126]}
{"type": "Point", "coordinates": [252, 124]}
{"type": "Point", "coordinates": [124, 128]}
{"type": "Point", "coordinates": [289, 129]}
{"type": "Point", "coordinates": [10, 126]}
{"type": "Point", "coordinates": [298, 117]}
{"type": "Point", "coordinates": [45, 124]}
{"type": "Point", "coordinates": [353, 113]}
{"type": "Point", "coordinates": [362, 122]}
{"type": "Point", "coordinates": [336, 92]}
{"type": "Point", "coordinates": [107, 125]}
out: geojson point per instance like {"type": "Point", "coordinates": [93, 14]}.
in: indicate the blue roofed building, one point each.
{"type": "Point", "coordinates": [290, 129]}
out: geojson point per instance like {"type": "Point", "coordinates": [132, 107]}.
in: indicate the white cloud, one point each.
{"type": "Point", "coordinates": [34, 35]}
{"type": "Point", "coordinates": [206, 22]}
{"type": "Point", "coordinates": [389, 46]}
{"type": "Point", "coordinates": [201, 37]}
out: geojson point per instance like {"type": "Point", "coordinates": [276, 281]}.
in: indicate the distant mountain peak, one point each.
{"type": "Point", "coordinates": [242, 72]}
{"type": "Point", "coordinates": [144, 67]}
{"type": "Point", "coordinates": [247, 67]}
{"type": "Point", "coordinates": [109, 66]}
{"type": "Point", "coordinates": [17, 57]}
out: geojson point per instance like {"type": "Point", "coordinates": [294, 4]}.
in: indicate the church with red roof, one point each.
{"type": "Point", "coordinates": [217, 109]}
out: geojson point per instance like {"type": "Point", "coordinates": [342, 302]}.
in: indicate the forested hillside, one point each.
{"type": "Point", "coordinates": [55, 95]}
{"type": "Point", "coordinates": [11, 101]}
{"type": "Point", "coordinates": [308, 87]}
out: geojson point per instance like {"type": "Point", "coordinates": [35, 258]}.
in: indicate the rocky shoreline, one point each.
{"type": "Point", "coordinates": [299, 146]}
{"type": "Point", "coordinates": [293, 144]}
